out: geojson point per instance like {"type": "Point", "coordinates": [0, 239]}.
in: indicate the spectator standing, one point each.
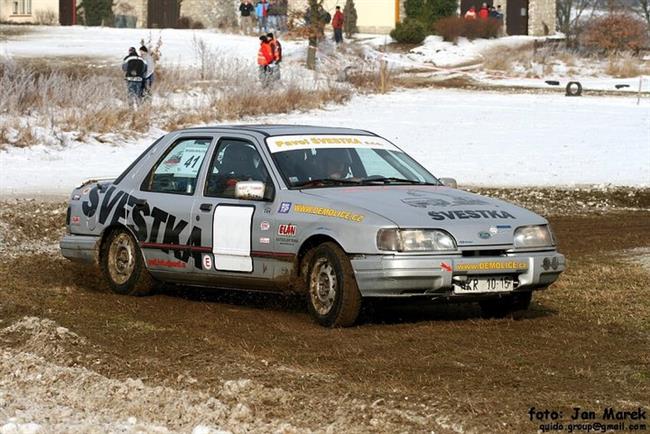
{"type": "Point", "coordinates": [273, 13]}
{"type": "Point", "coordinates": [276, 51]}
{"type": "Point", "coordinates": [262, 11]}
{"type": "Point", "coordinates": [134, 72]}
{"type": "Point", "coordinates": [283, 8]}
{"type": "Point", "coordinates": [471, 13]}
{"type": "Point", "coordinates": [337, 25]}
{"type": "Point", "coordinates": [147, 81]}
{"type": "Point", "coordinates": [484, 12]}
{"type": "Point", "coordinates": [246, 10]}
{"type": "Point", "coordinates": [264, 60]}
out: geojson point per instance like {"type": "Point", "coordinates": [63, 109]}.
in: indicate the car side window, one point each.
{"type": "Point", "coordinates": [234, 161]}
{"type": "Point", "coordinates": [176, 172]}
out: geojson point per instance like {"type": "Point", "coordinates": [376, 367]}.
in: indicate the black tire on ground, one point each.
{"type": "Point", "coordinates": [122, 265]}
{"type": "Point", "coordinates": [502, 307]}
{"type": "Point", "coordinates": [574, 88]}
{"type": "Point", "coordinates": [332, 293]}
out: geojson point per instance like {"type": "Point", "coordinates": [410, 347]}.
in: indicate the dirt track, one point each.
{"type": "Point", "coordinates": [77, 358]}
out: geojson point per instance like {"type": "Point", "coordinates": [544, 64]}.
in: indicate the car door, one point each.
{"type": "Point", "coordinates": [161, 214]}
{"type": "Point", "coordinates": [234, 213]}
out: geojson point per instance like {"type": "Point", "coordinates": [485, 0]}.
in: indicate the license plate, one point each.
{"type": "Point", "coordinates": [478, 285]}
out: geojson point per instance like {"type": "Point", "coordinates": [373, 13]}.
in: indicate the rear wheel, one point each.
{"type": "Point", "coordinates": [333, 295]}
{"type": "Point", "coordinates": [122, 265]}
{"type": "Point", "coordinates": [502, 307]}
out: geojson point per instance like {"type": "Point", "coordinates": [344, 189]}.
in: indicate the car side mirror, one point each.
{"type": "Point", "coordinates": [448, 182]}
{"type": "Point", "coordinates": [251, 190]}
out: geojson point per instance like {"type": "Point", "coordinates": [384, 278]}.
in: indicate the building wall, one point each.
{"type": "Point", "coordinates": [373, 16]}
{"type": "Point", "coordinates": [136, 8]}
{"type": "Point", "coordinates": [541, 17]}
{"type": "Point", "coordinates": [212, 13]}
{"type": "Point", "coordinates": [42, 12]}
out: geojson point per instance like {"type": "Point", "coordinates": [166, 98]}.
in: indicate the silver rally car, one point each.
{"type": "Point", "coordinates": [337, 214]}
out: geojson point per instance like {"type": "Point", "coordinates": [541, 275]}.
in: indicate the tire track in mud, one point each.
{"type": "Point", "coordinates": [75, 357]}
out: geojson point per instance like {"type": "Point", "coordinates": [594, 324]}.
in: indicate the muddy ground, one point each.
{"type": "Point", "coordinates": [76, 358]}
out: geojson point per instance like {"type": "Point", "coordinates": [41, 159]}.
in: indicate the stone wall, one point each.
{"type": "Point", "coordinates": [212, 13]}
{"type": "Point", "coordinates": [541, 17]}
{"type": "Point", "coordinates": [132, 8]}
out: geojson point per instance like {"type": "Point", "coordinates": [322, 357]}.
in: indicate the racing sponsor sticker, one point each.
{"type": "Point", "coordinates": [168, 263]}
{"type": "Point", "coordinates": [265, 226]}
{"type": "Point", "coordinates": [470, 214]}
{"type": "Point", "coordinates": [445, 266]}
{"type": "Point", "coordinates": [287, 230]}
{"type": "Point", "coordinates": [265, 240]}
{"type": "Point", "coordinates": [75, 220]}
{"type": "Point", "coordinates": [285, 207]}
{"type": "Point", "coordinates": [290, 143]}
{"type": "Point", "coordinates": [207, 261]}
{"type": "Point", "coordinates": [328, 212]}
{"type": "Point", "coordinates": [492, 265]}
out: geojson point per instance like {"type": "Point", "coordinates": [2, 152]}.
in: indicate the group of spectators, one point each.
{"type": "Point", "coordinates": [266, 14]}
{"type": "Point", "coordinates": [484, 13]}
{"type": "Point", "coordinates": [138, 73]}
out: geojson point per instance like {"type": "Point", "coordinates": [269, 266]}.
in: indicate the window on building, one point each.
{"type": "Point", "coordinates": [22, 7]}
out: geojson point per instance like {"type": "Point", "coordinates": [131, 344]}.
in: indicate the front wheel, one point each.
{"type": "Point", "coordinates": [333, 295]}
{"type": "Point", "coordinates": [122, 265]}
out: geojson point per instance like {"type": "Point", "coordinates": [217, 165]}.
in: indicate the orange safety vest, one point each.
{"type": "Point", "coordinates": [264, 55]}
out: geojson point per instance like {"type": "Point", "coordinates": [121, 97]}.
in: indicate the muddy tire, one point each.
{"type": "Point", "coordinates": [505, 306]}
{"type": "Point", "coordinates": [332, 293]}
{"type": "Point", "coordinates": [122, 265]}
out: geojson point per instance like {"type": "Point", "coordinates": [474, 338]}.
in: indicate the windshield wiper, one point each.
{"type": "Point", "coordinates": [326, 181]}
{"type": "Point", "coordinates": [391, 179]}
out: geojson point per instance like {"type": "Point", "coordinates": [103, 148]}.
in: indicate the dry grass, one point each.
{"type": "Point", "coordinates": [60, 97]}
{"type": "Point", "coordinates": [253, 103]}
{"type": "Point", "coordinates": [625, 66]}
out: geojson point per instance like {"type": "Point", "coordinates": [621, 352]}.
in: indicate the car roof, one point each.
{"type": "Point", "coordinates": [282, 130]}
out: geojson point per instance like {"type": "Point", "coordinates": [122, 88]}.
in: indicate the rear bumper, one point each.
{"type": "Point", "coordinates": [80, 248]}
{"type": "Point", "coordinates": [408, 276]}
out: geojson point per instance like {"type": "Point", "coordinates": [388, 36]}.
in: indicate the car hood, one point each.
{"type": "Point", "coordinates": [470, 218]}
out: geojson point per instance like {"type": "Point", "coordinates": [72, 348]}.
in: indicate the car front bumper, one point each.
{"type": "Point", "coordinates": [81, 248]}
{"type": "Point", "coordinates": [411, 275]}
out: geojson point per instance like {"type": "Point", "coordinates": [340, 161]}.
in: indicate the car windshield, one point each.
{"type": "Point", "coordinates": [319, 161]}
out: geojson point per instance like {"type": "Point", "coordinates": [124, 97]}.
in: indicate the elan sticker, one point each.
{"type": "Point", "coordinates": [207, 262]}
{"type": "Point", "coordinates": [287, 230]}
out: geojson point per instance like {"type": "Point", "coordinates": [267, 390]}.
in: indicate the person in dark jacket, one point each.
{"type": "Point", "coordinates": [135, 70]}
{"type": "Point", "coordinates": [246, 10]}
{"type": "Point", "coordinates": [337, 25]}
{"type": "Point", "coordinates": [276, 50]}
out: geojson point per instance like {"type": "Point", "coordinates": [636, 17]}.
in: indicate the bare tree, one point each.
{"type": "Point", "coordinates": [644, 11]}
{"type": "Point", "coordinates": [570, 12]}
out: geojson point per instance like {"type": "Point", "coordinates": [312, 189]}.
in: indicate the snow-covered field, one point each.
{"type": "Point", "coordinates": [481, 138]}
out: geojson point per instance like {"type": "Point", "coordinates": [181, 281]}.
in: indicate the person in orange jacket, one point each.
{"type": "Point", "coordinates": [276, 50]}
{"type": "Point", "coordinates": [337, 25]}
{"type": "Point", "coordinates": [484, 12]}
{"type": "Point", "coordinates": [264, 59]}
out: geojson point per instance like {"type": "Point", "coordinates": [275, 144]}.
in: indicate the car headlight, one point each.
{"type": "Point", "coordinates": [415, 240]}
{"type": "Point", "coordinates": [533, 236]}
